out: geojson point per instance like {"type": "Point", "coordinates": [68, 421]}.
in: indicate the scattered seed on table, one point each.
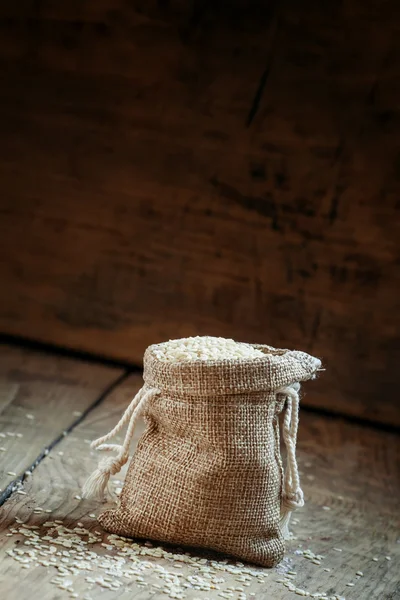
{"type": "Point", "coordinates": [338, 550]}
{"type": "Point", "coordinates": [375, 559]}
{"type": "Point", "coordinates": [326, 508]}
{"type": "Point", "coordinates": [360, 573]}
{"type": "Point", "coordinates": [29, 416]}
{"type": "Point", "coordinates": [388, 558]}
{"type": "Point", "coordinates": [11, 473]}
{"type": "Point", "coordinates": [350, 584]}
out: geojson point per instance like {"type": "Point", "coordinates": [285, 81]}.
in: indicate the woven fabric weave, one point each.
{"type": "Point", "coordinates": [207, 471]}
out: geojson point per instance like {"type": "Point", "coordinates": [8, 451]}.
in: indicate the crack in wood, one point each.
{"type": "Point", "coordinates": [255, 105]}
{"type": "Point", "coordinates": [258, 95]}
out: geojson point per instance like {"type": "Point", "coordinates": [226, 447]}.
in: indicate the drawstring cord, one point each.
{"type": "Point", "coordinates": [292, 494]}
{"type": "Point", "coordinates": [97, 484]}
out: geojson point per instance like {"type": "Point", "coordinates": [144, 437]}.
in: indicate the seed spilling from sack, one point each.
{"type": "Point", "coordinates": [207, 471]}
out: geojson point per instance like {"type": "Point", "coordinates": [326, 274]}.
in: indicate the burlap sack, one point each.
{"type": "Point", "coordinates": [207, 471]}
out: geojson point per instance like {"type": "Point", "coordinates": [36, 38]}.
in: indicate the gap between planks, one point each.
{"type": "Point", "coordinates": [43, 397]}
{"type": "Point", "coordinates": [12, 486]}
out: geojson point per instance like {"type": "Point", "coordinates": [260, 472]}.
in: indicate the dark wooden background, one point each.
{"type": "Point", "coordinates": [225, 168]}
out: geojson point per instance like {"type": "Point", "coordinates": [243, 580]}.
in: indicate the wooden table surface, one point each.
{"type": "Point", "coordinates": [51, 546]}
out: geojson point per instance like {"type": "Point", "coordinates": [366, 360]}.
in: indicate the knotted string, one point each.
{"type": "Point", "coordinates": [97, 484]}
{"type": "Point", "coordinates": [292, 494]}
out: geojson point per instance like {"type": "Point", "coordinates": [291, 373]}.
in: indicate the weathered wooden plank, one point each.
{"type": "Point", "coordinates": [40, 397]}
{"type": "Point", "coordinates": [350, 478]}
{"type": "Point", "coordinates": [158, 198]}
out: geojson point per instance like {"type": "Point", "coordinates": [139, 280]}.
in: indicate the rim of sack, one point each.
{"type": "Point", "coordinates": [276, 369]}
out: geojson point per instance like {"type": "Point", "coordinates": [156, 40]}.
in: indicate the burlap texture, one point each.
{"type": "Point", "coordinates": [207, 471]}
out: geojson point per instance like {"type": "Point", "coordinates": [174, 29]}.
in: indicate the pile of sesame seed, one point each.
{"type": "Point", "coordinates": [70, 551]}
{"type": "Point", "coordinates": [204, 348]}
{"type": "Point", "coordinates": [85, 560]}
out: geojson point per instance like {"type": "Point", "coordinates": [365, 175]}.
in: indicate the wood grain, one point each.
{"type": "Point", "coordinates": [180, 168]}
{"type": "Point", "coordinates": [40, 397]}
{"type": "Point", "coordinates": [351, 482]}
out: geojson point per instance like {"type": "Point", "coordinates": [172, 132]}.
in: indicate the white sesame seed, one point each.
{"type": "Point", "coordinates": [29, 416]}
{"type": "Point", "coordinates": [204, 348]}
{"type": "Point", "coordinates": [360, 573]}
{"type": "Point", "coordinates": [388, 558]}
{"type": "Point", "coordinates": [375, 559]}
{"type": "Point", "coordinates": [350, 584]}
{"type": "Point", "coordinates": [326, 508]}
{"type": "Point", "coordinates": [11, 473]}
{"type": "Point", "coordinates": [338, 550]}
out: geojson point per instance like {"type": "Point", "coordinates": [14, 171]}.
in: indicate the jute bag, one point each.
{"type": "Point", "coordinates": [207, 472]}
